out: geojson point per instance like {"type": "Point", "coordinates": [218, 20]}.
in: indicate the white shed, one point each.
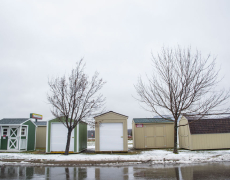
{"type": "Point", "coordinates": [111, 132]}
{"type": "Point", "coordinates": [56, 137]}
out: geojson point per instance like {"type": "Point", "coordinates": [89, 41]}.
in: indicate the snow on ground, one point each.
{"type": "Point", "coordinates": [153, 156]}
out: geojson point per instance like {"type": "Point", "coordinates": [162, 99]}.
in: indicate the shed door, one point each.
{"type": "Point", "coordinates": [160, 136]}
{"type": "Point", "coordinates": [184, 137]}
{"type": "Point", "coordinates": [13, 138]}
{"type": "Point", "coordinates": [155, 136]}
{"type": "Point", "coordinates": [149, 137]}
{"type": "Point", "coordinates": [111, 137]}
{"type": "Point", "coordinates": [59, 137]}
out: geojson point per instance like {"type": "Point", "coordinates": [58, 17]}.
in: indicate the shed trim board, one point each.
{"type": "Point", "coordinates": [152, 135]}
{"type": "Point", "coordinates": [202, 141]}
{"type": "Point", "coordinates": [104, 138]}
{"type": "Point", "coordinates": [110, 112]}
{"type": "Point", "coordinates": [50, 139]}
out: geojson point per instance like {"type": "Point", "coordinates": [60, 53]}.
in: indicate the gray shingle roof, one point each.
{"type": "Point", "coordinates": [13, 120]}
{"type": "Point", "coordinates": [41, 123]}
{"type": "Point", "coordinates": [151, 120]}
{"type": "Point", "coordinates": [209, 125]}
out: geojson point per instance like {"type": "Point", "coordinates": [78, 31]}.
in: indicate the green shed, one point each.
{"type": "Point", "coordinates": [17, 134]}
{"type": "Point", "coordinates": [56, 137]}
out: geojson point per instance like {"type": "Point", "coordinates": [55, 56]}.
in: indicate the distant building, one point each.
{"type": "Point", "coordinates": [41, 134]}
{"type": "Point", "coordinates": [91, 133]}
{"type": "Point", "coordinates": [130, 132]}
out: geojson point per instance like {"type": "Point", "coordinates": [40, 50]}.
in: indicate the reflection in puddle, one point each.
{"type": "Point", "coordinates": [178, 172]}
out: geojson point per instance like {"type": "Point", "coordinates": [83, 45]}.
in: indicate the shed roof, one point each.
{"type": "Point", "coordinates": [110, 112]}
{"type": "Point", "coordinates": [13, 120]}
{"type": "Point", "coordinates": [209, 126]}
{"type": "Point", "coordinates": [41, 123]}
{"type": "Point", "coordinates": [56, 120]}
{"type": "Point", "coordinates": [151, 120]}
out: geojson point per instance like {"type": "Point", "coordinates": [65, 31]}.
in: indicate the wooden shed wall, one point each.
{"type": "Point", "coordinates": [210, 141]}
{"type": "Point", "coordinates": [41, 137]}
{"type": "Point", "coordinates": [140, 133]}
{"type": "Point", "coordinates": [110, 118]}
{"type": "Point", "coordinates": [201, 141]}
{"type": "Point", "coordinates": [184, 134]}
{"type": "Point", "coordinates": [31, 135]}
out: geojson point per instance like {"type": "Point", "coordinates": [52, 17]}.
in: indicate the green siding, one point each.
{"type": "Point", "coordinates": [82, 136]}
{"type": "Point", "coordinates": [4, 143]}
{"type": "Point", "coordinates": [75, 139]}
{"type": "Point", "coordinates": [31, 135]}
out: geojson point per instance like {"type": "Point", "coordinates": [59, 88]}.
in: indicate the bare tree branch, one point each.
{"type": "Point", "coordinates": [182, 83]}
{"type": "Point", "coordinates": [75, 99]}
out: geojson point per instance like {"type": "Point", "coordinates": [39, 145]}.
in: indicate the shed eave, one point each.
{"type": "Point", "coordinates": [210, 133]}
{"type": "Point", "coordinates": [27, 121]}
{"type": "Point", "coordinates": [11, 124]}
{"type": "Point", "coordinates": [109, 112]}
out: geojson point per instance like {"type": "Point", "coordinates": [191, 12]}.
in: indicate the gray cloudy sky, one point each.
{"type": "Point", "coordinates": [42, 39]}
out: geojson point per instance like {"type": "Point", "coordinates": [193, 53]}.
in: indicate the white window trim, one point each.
{"type": "Point", "coordinates": [25, 132]}
{"type": "Point", "coordinates": [3, 131]}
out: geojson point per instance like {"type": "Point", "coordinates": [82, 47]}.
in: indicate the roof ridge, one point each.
{"type": "Point", "coordinates": [110, 112]}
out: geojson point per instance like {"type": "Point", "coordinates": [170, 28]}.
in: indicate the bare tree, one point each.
{"type": "Point", "coordinates": [182, 83]}
{"type": "Point", "coordinates": [75, 99]}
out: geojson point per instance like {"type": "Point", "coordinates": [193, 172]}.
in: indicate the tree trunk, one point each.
{"type": "Point", "coordinates": [68, 141]}
{"type": "Point", "coordinates": [67, 173]}
{"type": "Point", "coordinates": [175, 137]}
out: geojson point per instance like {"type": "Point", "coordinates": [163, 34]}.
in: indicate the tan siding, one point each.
{"type": "Point", "coordinates": [153, 135]}
{"type": "Point", "coordinates": [184, 134]}
{"type": "Point", "coordinates": [97, 137]}
{"type": "Point", "coordinates": [139, 137]}
{"type": "Point", "coordinates": [170, 135]}
{"type": "Point", "coordinates": [210, 141]}
{"type": "Point", "coordinates": [133, 131]}
{"type": "Point", "coordinates": [41, 137]}
{"type": "Point", "coordinates": [111, 116]}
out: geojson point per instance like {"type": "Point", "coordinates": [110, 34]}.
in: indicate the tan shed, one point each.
{"type": "Point", "coordinates": [152, 133]}
{"type": "Point", "coordinates": [208, 133]}
{"type": "Point", "coordinates": [111, 132]}
{"type": "Point", "coordinates": [41, 134]}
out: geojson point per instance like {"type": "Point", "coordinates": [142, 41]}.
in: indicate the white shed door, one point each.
{"type": "Point", "coordinates": [59, 137]}
{"type": "Point", "coordinates": [111, 137]}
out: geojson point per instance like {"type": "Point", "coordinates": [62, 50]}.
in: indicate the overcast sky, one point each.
{"type": "Point", "coordinates": [44, 39]}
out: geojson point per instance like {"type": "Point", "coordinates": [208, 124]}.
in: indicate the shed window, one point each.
{"type": "Point", "coordinates": [5, 130]}
{"type": "Point", "coordinates": [23, 132]}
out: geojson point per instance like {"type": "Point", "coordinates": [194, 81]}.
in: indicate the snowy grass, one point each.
{"type": "Point", "coordinates": [153, 156]}
{"type": "Point", "coordinates": [91, 144]}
